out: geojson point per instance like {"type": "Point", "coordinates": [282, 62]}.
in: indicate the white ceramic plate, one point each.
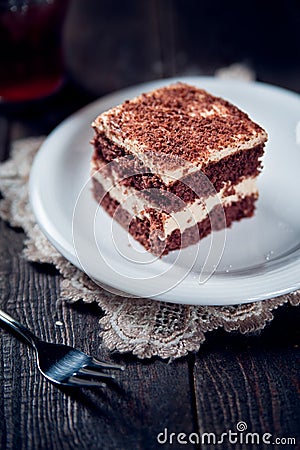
{"type": "Point", "coordinates": [261, 257]}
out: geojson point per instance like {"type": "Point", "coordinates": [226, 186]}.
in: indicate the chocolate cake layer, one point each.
{"type": "Point", "coordinates": [148, 231]}
{"type": "Point", "coordinates": [229, 170]}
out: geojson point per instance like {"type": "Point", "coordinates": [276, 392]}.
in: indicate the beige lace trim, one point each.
{"type": "Point", "coordinates": [143, 327]}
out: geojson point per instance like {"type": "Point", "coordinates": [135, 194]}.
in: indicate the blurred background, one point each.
{"type": "Point", "coordinates": [111, 44]}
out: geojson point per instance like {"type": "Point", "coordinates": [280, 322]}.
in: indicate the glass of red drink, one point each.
{"type": "Point", "coordinates": [31, 62]}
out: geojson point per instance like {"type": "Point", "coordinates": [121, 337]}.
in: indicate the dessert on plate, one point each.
{"type": "Point", "coordinates": [174, 164]}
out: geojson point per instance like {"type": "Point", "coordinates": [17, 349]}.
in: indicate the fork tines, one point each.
{"type": "Point", "coordinates": [82, 376]}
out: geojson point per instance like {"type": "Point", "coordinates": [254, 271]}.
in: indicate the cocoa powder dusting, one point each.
{"type": "Point", "coordinates": [179, 120]}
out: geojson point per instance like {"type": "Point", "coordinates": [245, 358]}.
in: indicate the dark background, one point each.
{"type": "Point", "coordinates": [110, 44]}
{"type": "Point", "coordinates": [119, 43]}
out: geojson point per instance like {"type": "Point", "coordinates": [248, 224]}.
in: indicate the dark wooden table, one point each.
{"type": "Point", "coordinates": [233, 378]}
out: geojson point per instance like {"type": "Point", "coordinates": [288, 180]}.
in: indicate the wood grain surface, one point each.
{"type": "Point", "coordinates": [251, 379]}
{"type": "Point", "coordinates": [36, 415]}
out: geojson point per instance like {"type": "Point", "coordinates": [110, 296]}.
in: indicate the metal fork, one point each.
{"type": "Point", "coordinates": [61, 364]}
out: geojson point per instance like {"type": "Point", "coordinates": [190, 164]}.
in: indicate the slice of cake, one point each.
{"type": "Point", "coordinates": [167, 164]}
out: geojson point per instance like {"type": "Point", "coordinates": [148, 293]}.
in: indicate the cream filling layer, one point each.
{"type": "Point", "coordinates": [188, 216]}
{"type": "Point", "coordinates": [199, 210]}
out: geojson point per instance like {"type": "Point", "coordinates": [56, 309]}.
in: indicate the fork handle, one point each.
{"type": "Point", "coordinates": [18, 328]}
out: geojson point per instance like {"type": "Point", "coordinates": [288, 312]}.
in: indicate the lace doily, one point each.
{"type": "Point", "coordinates": [144, 327]}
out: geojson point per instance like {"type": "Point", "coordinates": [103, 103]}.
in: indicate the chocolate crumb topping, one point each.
{"type": "Point", "coordinates": [179, 120]}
